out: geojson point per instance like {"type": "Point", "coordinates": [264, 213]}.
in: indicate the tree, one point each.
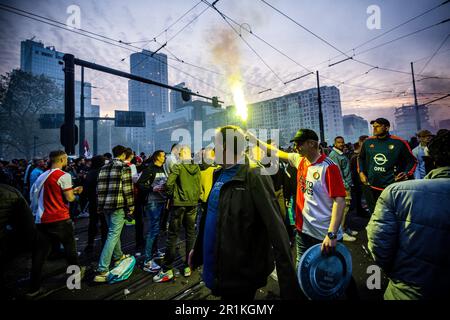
{"type": "Point", "coordinates": [23, 97]}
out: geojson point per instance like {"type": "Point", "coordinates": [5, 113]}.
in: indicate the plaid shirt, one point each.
{"type": "Point", "coordinates": [115, 186]}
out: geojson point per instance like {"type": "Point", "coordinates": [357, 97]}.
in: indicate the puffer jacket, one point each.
{"type": "Point", "coordinates": [409, 234]}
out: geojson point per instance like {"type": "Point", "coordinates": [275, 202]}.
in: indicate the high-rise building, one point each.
{"type": "Point", "coordinates": [151, 99]}
{"type": "Point", "coordinates": [176, 101]}
{"type": "Point", "coordinates": [95, 110]}
{"type": "Point", "coordinates": [37, 59]}
{"type": "Point", "coordinates": [354, 127]}
{"type": "Point", "coordinates": [405, 121]}
{"type": "Point", "coordinates": [287, 114]}
{"type": "Point", "coordinates": [299, 110]}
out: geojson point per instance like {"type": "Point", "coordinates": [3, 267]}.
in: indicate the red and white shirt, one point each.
{"type": "Point", "coordinates": [52, 206]}
{"type": "Point", "coordinates": [317, 185]}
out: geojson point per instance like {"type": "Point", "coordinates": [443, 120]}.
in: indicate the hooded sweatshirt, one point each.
{"type": "Point", "coordinates": [183, 184]}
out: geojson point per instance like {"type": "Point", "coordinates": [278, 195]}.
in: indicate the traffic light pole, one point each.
{"type": "Point", "coordinates": [82, 122]}
{"type": "Point", "coordinates": [416, 105]}
{"type": "Point", "coordinates": [68, 130]}
{"type": "Point", "coordinates": [95, 138]}
{"type": "Point", "coordinates": [319, 100]}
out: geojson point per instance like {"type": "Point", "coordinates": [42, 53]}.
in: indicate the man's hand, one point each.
{"type": "Point", "coordinates": [363, 178]}
{"type": "Point", "coordinates": [328, 245]}
{"type": "Point", "coordinates": [401, 177]}
{"type": "Point", "coordinates": [78, 190]}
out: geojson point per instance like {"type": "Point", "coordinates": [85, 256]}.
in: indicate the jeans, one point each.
{"type": "Point", "coordinates": [153, 210]}
{"type": "Point", "coordinates": [61, 231]}
{"type": "Point", "coordinates": [112, 247]}
{"type": "Point", "coordinates": [180, 216]}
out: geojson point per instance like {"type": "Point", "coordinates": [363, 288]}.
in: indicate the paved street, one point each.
{"type": "Point", "coordinates": [140, 285]}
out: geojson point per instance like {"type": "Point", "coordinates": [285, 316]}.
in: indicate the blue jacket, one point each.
{"type": "Point", "coordinates": [409, 236]}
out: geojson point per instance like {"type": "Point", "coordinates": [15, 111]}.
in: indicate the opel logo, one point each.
{"type": "Point", "coordinates": [380, 159]}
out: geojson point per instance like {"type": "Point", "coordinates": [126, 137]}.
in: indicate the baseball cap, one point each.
{"type": "Point", "coordinates": [324, 277]}
{"type": "Point", "coordinates": [305, 134]}
{"type": "Point", "coordinates": [382, 121]}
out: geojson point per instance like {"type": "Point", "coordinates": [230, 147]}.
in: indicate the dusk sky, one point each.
{"type": "Point", "coordinates": [340, 23]}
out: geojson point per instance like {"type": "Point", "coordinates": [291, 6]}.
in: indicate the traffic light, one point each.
{"type": "Point", "coordinates": [185, 95]}
{"type": "Point", "coordinates": [69, 137]}
{"type": "Point", "coordinates": [215, 102]}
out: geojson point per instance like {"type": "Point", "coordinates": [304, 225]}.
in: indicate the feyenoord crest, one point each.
{"type": "Point", "coordinates": [316, 175]}
{"type": "Point", "coordinates": [391, 146]}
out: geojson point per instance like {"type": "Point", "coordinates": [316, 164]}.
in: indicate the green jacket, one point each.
{"type": "Point", "coordinates": [183, 184]}
{"type": "Point", "coordinates": [381, 159]}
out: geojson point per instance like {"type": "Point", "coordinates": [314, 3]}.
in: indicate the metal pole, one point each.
{"type": "Point", "coordinates": [110, 148]}
{"type": "Point", "coordinates": [68, 129]}
{"type": "Point", "coordinates": [319, 99]}
{"type": "Point", "coordinates": [415, 99]}
{"type": "Point", "coordinates": [82, 122]}
{"type": "Point", "coordinates": [119, 73]}
{"type": "Point", "coordinates": [95, 132]}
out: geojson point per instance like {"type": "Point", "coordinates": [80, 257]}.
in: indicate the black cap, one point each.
{"type": "Point", "coordinates": [305, 134]}
{"type": "Point", "coordinates": [382, 121]}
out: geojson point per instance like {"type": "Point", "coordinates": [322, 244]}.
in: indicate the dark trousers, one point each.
{"type": "Point", "coordinates": [139, 223]}
{"type": "Point", "coordinates": [356, 202]}
{"type": "Point", "coordinates": [94, 219]}
{"type": "Point", "coordinates": [304, 242]}
{"type": "Point", "coordinates": [180, 216]}
{"type": "Point", "coordinates": [371, 196]}
{"type": "Point", "coordinates": [61, 231]}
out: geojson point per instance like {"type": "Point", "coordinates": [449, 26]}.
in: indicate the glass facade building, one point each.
{"type": "Point", "coordinates": [153, 100]}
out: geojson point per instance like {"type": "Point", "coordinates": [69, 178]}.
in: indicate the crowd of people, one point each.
{"type": "Point", "coordinates": [240, 219]}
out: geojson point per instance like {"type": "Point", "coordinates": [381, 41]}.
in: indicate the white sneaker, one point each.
{"type": "Point", "coordinates": [351, 232]}
{"type": "Point", "coordinates": [151, 266]}
{"type": "Point", "coordinates": [348, 238]}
